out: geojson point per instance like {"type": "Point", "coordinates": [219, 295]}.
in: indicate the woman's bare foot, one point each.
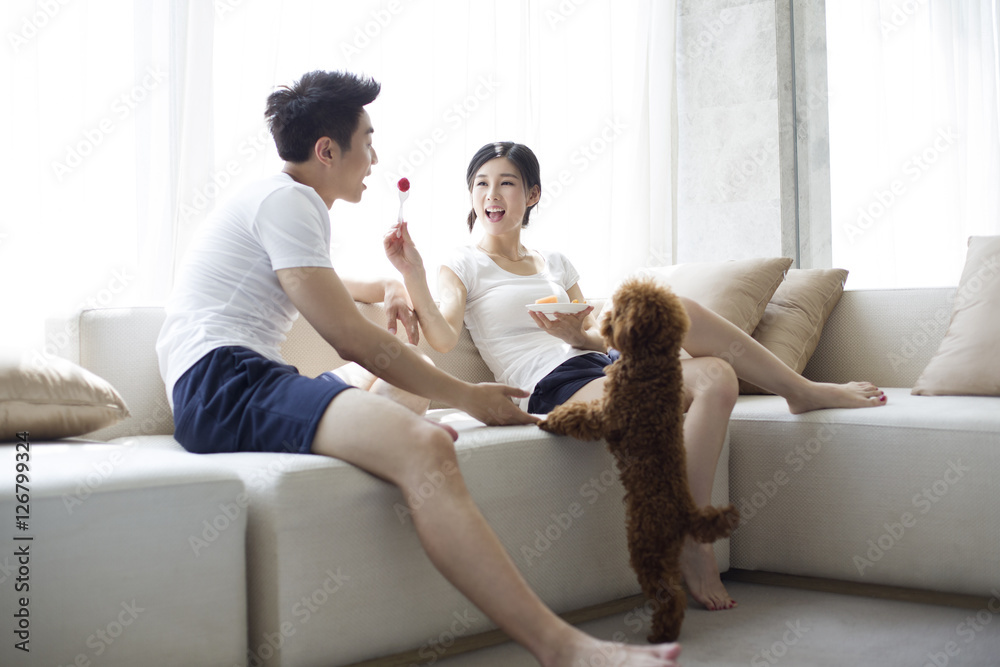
{"type": "Point", "coordinates": [701, 574]}
{"type": "Point", "coordinates": [819, 395]}
{"type": "Point", "coordinates": [582, 649]}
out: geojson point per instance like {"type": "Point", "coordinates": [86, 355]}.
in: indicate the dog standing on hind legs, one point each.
{"type": "Point", "coordinates": [641, 417]}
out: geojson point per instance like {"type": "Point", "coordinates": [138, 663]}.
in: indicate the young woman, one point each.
{"type": "Point", "coordinates": [486, 286]}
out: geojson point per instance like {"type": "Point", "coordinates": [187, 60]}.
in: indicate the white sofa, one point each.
{"type": "Point", "coordinates": [332, 572]}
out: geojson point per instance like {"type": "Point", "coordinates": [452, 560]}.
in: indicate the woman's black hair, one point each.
{"type": "Point", "coordinates": [320, 104]}
{"type": "Point", "coordinates": [520, 155]}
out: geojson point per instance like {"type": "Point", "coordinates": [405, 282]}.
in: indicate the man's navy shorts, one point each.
{"type": "Point", "coordinates": [568, 378]}
{"type": "Point", "coordinates": [236, 400]}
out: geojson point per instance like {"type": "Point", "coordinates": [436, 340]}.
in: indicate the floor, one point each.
{"type": "Point", "coordinates": [777, 625]}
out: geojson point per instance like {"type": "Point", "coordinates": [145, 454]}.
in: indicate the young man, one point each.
{"type": "Point", "coordinates": [263, 258]}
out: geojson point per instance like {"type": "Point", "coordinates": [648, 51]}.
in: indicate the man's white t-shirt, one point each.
{"type": "Point", "coordinates": [227, 292]}
{"type": "Point", "coordinates": [517, 351]}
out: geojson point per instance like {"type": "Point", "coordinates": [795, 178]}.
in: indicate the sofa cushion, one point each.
{"type": "Point", "coordinates": [794, 318]}
{"type": "Point", "coordinates": [895, 495]}
{"type": "Point", "coordinates": [968, 359]}
{"type": "Point", "coordinates": [54, 398]}
{"type": "Point", "coordinates": [738, 290]}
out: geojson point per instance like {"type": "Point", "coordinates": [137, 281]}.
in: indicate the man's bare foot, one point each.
{"type": "Point", "coordinates": [701, 575]}
{"type": "Point", "coordinates": [821, 395]}
{"type": "Point", "coordinates": [583, 649]}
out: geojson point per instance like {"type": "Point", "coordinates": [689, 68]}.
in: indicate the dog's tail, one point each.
{"type": "Point", "coordinates": [711, 523]}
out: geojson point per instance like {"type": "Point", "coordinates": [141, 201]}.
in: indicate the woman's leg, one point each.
{"type": "Point", "coordinates": [362, 378]}
{"type": "Point", "coordinates": [392, 443]}
{"type": "Point", "coordinates": [710, 392]}
{"type": "Point", "coordinates": [711, 335]}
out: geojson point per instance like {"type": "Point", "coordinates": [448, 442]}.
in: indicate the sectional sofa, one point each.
{"type": "Point", "coordinates": [140, 549]}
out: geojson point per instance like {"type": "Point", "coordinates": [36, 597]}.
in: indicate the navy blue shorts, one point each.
{"type": "Point", "coordinates": [236, 400]}
{"type": "Point", "coordinates": [568, 378]}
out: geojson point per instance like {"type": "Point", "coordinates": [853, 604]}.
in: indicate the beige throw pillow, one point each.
{"type": "Point", "coordinates": [793, 320]}
{"type": "Point", "coordinates": [738, 290]}
{"type": "Point", "coordinates": [968, 360]}
{"type": "Point", "coordinates": [54, 398]}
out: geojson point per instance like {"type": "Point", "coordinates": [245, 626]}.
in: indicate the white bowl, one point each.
{"type": "Point", "coordinates": [549, 308]}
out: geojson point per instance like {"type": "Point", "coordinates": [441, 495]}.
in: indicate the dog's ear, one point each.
{"type": "Point", "coordinates": [649, 318]}
{"type": "Point", "coordinates": [607, 327]}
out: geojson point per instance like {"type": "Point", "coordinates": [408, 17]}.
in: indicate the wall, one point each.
{"type": "Point", "coordinates": [753, 159]}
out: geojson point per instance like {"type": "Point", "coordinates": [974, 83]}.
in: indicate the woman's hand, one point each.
{"type": "Point", "coordinates": [402, 252]}
{"type": "Point", "coordinates": [568, 327]}
{"type": "Point", "coordinates": [397, 308]}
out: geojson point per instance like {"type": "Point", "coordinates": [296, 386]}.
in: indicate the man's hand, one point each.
{"type": "Point", "coordinates": [397, 308]}
{"type": "Point", "coordinates": [490, 403]}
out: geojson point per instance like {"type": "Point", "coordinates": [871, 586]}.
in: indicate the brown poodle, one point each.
{"type": "Point", "coordinates": [641, 416]}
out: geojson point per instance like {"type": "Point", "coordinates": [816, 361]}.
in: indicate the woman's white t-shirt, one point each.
{"type": "Point", "coordinates": [517, 351]}
{"type": "Point", "coordinates": [227, 292]}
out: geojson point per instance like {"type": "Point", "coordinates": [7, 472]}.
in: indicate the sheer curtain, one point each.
{"type": "Point", "coordinates": [915, 150]}
{"type": "Point", "coordinates": [588, 86]}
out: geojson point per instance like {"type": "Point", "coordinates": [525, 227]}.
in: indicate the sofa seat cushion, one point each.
{"type": "Point", "coordinates": [897, 495]}
{"type": "Point", "coordinates": [334, 559]}
{"type": "Point", "coordinates": [117, 574]}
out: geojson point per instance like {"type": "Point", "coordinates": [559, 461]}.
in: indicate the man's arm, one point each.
{"type": "Point", "coordinates": [328, 305]}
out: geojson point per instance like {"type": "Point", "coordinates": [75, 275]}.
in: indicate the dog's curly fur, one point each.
{"type": "Point", "coordinates": [641, 417]}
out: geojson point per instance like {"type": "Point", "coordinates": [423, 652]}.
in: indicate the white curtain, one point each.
{"type": "Point", "coordinates": [915, 150]}
{"type": "Point", "coordinates": [589, 86]}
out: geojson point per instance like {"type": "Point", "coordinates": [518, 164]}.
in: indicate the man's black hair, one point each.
{"type": "Point", "coordinates": [320, 104]}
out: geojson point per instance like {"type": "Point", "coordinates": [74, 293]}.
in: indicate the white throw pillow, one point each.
{"type": "Point", "coordinates": [968, 360]}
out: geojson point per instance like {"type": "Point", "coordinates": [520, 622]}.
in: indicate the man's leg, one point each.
{"type": "Point", "coordinates": [392, 443]}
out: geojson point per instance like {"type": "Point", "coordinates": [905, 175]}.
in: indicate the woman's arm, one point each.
{"type": "Point", "coordinates": [393, 296]}
{"type": "Point", "coordinates": [578, 329]}
{"type": "Point", "coordinates": [442, 325]}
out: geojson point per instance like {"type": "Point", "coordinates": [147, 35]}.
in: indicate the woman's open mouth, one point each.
{"type": "Point", "coordinates": [495, 213]}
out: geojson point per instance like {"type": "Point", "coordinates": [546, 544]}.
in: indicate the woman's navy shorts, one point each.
{"type": "Point", "coordinates": [236, 400]}
{"type": "Point", "coordinates": [568, 378]}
